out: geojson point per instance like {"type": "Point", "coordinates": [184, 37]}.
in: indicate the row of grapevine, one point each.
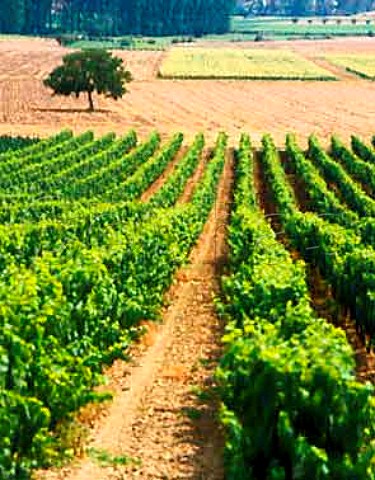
{"type": "Point", "coordinates": [15, 143]}
{"type": "Point", "coordinates": [132, 187]}
{"type": "Point", "coordinates": [273, 171]}
{"type": "Point", "coordinates": [344, 261]}
{"type": "Point", "coordinates": [76, 308]}
{"type": "Point", "coordinates": [360, 170]}
{"type": "Point", "coordinates": [362, 150]}
{"type": "Point", "coordinates": [175, 184]}
{"type": "Point", "coordinates": [291, 406]}
{"type": "Point", "coordinates": [11, 161]}
{"type": "Point", "coordinates": [79, 148]}
{"type": "Point", "coordinates": [351, 193]}
{"type": "Point", "coordinates": [107, 178]}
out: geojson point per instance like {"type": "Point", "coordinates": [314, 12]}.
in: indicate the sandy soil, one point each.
{"type": "Point", "coordinates": [343, 107]}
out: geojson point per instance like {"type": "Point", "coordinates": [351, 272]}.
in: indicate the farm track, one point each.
{"type": "Point", "coordinates": [159, 182]}
{"type": "Point", "coordinates": [340, 72]}
{"type": "Point", "coordinates": [296, 182]}
{"type": "Point", "coordinates": [187, 193]}
{"type": "Point", "coordinates": [322, 299]}
{"type": "Point", "coordinates": [156, 416]}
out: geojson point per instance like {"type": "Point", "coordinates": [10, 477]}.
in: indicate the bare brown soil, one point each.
{"type": "Point", "coordinates": [343, 107]}
{"type": "Point", "coordinates": [156, 417]}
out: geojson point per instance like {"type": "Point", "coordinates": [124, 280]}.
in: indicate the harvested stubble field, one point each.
{"type": "Point", "coordinates": [26, 107]}
{"type": "Point", "coordinates": [240, 64]}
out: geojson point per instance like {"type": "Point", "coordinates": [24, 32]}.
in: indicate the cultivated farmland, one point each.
{"type": "Point", "coordinates": [119, 228]}
{"type": "Point", "coordinates": [87, 266]}
{"type": "Point", "coordinates": [240, 64]}
{"type": "Point", "coordinates": [343, 106]}
{"type": "Point", "coordinates": [309, 28]}
{"type": "Point", "coordinates": [362, 65]}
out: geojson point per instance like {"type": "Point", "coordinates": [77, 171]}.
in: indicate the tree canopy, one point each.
{"type": "Point", "coordinates": [115, 17]}
{"type": "Point", "coordinates": [152, 17]}
{"type": "Point", "coordinates": [89, 71]}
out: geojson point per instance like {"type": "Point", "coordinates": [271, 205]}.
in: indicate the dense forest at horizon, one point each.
{"type": "Point", "coordinates": [116, 17]}
{"type": "Point", "coordinates": [304, 7]}
{"type": "Point", "coordinates": [153, 17]}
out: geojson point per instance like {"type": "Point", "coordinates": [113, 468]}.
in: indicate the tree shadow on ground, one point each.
{"type": "Point", "coordinates": [70, 110]}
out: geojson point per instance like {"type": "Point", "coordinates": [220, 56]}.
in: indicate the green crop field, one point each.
{"type": "Point", "coordinates": [239, 64]}
{"type": "Point", "coordinates": [125, 42]}
{"type": "Point", "coordinates": [315, 27]}
{"type": "Point", "coordinates": [361, 64]}
{"type": "Point", "coordinates": [85, 257]}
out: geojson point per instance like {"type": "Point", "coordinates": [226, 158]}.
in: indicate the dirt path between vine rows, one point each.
{"type": "Point", "coordinates": [157, 419]}
{"type": "Point", "coordinates": [206, 156]}
{"type": "Point", "coordinates": [170, 168]}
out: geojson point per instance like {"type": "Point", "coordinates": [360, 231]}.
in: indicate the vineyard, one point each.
{"type": "Point", "coordinates": [97, 238]}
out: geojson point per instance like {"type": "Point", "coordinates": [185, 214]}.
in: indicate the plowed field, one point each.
{"type": "Point", "coordinates": [26, 107]}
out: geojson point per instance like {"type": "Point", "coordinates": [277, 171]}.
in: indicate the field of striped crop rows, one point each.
{"type": "Point", "coordinates": [362, 65]}
{"type": "Point", "coordinates": [93, 232]}
{"type": "Point", "coordinates": [247, 63]}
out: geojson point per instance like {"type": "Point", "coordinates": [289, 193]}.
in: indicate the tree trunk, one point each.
{"type": "Point", "coordinates": [91, 103]}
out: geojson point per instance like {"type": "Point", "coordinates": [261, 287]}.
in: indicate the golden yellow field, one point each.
{"type": "Point", "coordinates": [247, 63]}
{"type": "Point", "coordinates": [363, 65]}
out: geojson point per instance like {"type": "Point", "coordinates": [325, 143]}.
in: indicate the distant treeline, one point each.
{"type": "Point", "coordinates": [116, 17]}
{"type": "Point", "coordinates": [304, 7]}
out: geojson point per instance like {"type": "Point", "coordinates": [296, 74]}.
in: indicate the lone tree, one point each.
{"type": "Point", "coordinates": [89, 71]}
